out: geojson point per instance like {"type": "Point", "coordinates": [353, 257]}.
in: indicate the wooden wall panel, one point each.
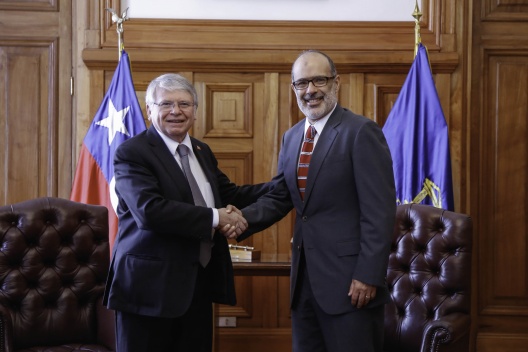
{"type": "Point", "coordinates": [505, 342]}
{"type": "Point", "coordinates": [35, 71]}
{"type": "Point", "coordinates": [28, 122]}
{"type": "Point", "coordinates": [479, 65]}
{"type": "Point", "coordinates": [380, 95]}
{"type": "Point", "coordinates": [254, 340]}
{"type": "Point", "coordinates": [237, 117]}
{"type": "Point", "coordinates": [32, 5]}
{"type": "Point", "coordinates": [248, 79]}
{"type": "Point", "coordinates": [246, 104]}
{"type": "Point", "coordinates": [499, 165]}
{"type": "Point", "coordinates": [505, 10]}
{"type": "Point", "coordinates": [505, 174]}
{"type": "Point", "coordinates": [228, 112]}
{"type": "Point", "coordinates": [205, 36]}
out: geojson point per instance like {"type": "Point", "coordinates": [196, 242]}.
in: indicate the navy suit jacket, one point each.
{"type": "Point", "coordinates": [155, 257]}
{"type": "Point", "coordinates": [346, 221]}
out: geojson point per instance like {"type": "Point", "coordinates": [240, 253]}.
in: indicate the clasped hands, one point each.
{"type": "Point", "coordinates": [231, 222]}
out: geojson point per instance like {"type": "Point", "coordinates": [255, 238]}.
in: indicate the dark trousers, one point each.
{"type": "Point", "coordinates": [313, 330]}
{"type": "Point", "coordinates": [192, 332]}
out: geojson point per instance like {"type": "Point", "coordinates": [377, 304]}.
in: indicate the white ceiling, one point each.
{"type": "Point", "coordinates": [295, 10]}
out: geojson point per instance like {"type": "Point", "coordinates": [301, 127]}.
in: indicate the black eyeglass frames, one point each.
{"type": "Point", "coordinates": [318, 81]}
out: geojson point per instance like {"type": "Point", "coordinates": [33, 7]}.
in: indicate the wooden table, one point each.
{"type": "Point", "coordinates": [267, 265]}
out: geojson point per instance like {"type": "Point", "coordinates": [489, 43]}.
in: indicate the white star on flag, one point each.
{"type": "Point", "coordinates": [94, 181]}
{"type": "Point", "coordinates": [114, 121]}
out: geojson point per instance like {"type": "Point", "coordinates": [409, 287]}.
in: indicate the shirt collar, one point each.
{"type": "Point", "coordinates": [173, 145]}
{"type": "Point", "coordinates": [319, 123]}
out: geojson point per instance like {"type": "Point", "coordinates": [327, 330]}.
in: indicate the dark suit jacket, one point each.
{"type": "Point", "coordinates": [346, 222]}
{"type": "Point", "coordinates": [155, 257]}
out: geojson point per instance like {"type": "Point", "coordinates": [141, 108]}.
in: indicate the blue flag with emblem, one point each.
{"type": "Point", "coordinates": [417, 135]}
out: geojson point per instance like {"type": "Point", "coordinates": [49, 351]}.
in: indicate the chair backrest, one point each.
{"type": "Point", "coordinates": [429, 277]}
{"type": "Point", "coordinates": [54, 259]}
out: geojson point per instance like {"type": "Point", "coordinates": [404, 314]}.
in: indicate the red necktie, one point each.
{"type": "Point", "coordinates": [304, 159]}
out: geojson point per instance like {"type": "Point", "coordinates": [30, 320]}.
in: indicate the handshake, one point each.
{"type": "Point", "coordinates": [231, 222]}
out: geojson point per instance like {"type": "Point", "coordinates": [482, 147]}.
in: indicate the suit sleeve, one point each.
{"type": "Point", "coordinates": [229, 192]}
{"type": "Point", "coordinates": [272, 206]}
{"type": "Point", "coordinates": [148, 193]}
{"type": "Point", "coordinates": [377, 201]}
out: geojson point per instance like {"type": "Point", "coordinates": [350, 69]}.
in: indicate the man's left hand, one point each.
{"type": "Point", "coordinates": [361, 294]}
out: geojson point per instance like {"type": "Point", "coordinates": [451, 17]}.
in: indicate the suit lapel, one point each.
{"type": "Point", "coordinates": [324, 143]}
{"type": "Point", "coordinates": [291, 164]}
{"type": "Point", "coordinates": [166, 158]}
{"type": "Point", "coordinates": [208, 170]}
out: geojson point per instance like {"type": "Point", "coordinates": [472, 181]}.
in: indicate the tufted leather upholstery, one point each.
{"type": "Point", "coordinates": [429, 277]}
{"type": "Point", "coordinates": [54, 258]}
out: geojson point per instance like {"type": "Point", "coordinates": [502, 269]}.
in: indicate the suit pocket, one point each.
{"type": "Point", "coordinates": [142, 279]}
{"type": "Point", "coordinates": [347, 248]}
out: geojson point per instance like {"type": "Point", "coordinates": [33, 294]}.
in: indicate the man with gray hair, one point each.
{"type": "Point", "coordinates": [169, 261]}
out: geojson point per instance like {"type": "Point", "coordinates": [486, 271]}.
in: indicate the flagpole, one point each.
{"type": "Point", "coordinates": [119, 28]}
{"type": "Point", "coordinates": [417, 39]}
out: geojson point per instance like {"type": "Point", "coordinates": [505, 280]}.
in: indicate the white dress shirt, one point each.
{"type": "Point", "coordinates": [196, 169]}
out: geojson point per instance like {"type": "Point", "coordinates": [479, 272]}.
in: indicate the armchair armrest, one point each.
{"type": "Point", "coordinates": [448, 330]}
{"type": "Point", "coordinates": [105, 325]}
{"type": "Point", "coordinates": [6, 331]}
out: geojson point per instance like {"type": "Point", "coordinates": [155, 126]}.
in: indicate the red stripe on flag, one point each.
{"type": "Point", "coordinates": [90, 187]}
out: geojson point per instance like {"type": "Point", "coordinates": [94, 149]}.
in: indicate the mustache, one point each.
{"type": "Point", "coordinates": [316, 95]}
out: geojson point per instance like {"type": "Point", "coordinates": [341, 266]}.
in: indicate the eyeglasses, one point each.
{"type": "Point", "coordinates": [319, 81]}
{"type": "Point", "coordinates": [169, 105]}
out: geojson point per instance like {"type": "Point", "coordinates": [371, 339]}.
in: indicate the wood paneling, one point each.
{"type": "Point", "coordinates": [28, 126]}
{"type": "Point", "coordinates": [499, 169]}
{"type": "Point", "coordinates": [31, 5]}
{"type": "Point", "coordinates": [35, 115]}
{"type": "Point", "coordinates": [241, 70]}
{"type": "Point", "coordinates": [504, 160]}
{"type": "Point", "coordinates": [505, 10]}
{"type": "Point", "coordinates": [228, 110]}
{"type": "Point", "coordinates": [254, 340]}
{"type": "Point", "coordinates": [505, 342]}
{"type": "Point", "coordinates": [238, 117]}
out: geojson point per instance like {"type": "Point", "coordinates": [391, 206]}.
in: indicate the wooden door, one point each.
{"type": "Point", "coordinates": [241, 117]}
{"type": "Point", "coordinates": [35, 99]}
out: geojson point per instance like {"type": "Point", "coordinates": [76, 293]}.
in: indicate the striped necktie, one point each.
{"type": "Point", "coordinates": [304, 159]}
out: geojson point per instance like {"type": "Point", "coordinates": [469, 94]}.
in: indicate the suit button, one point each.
{"type": "Point", "coordinates": [305, 218]}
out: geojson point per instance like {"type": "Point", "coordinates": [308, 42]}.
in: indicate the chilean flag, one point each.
{"type": "Point", "coordinates": [119, 117]}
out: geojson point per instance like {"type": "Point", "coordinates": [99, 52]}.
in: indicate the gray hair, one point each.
{"type": "Point", "coordinates": [170, 82]}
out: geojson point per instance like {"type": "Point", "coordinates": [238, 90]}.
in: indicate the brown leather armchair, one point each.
{"type": "Point", "coordinates": [54, 259]}
{"type": "Point", "coordinates": [429, 277]}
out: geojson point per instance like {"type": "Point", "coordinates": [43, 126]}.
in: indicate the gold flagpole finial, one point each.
{"type": "Point", "coordinates": [417, 39]}
{"type": "Point", "coordinates": [119, 28]}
